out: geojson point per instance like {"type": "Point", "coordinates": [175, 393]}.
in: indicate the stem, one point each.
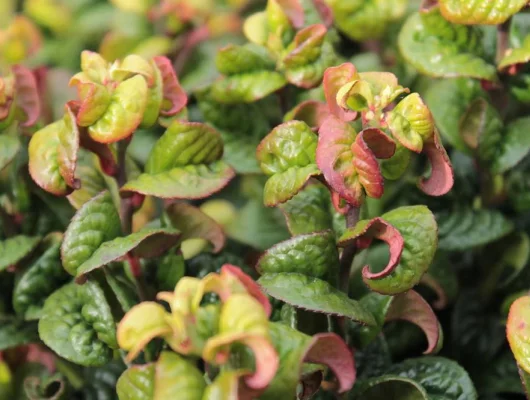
{"type": "Point", "coordinates": [346, 259]}
{"type": "Point", "coordinates": [126, 215]}
{"type": "Point", "coordinates": [503, 37]}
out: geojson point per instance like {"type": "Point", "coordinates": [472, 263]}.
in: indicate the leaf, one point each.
{"type": "Point", "coordinates": [390, 387]}
{"type": "Point", "coordinates": [92, 180]}
{"type": "Point", "coordinates": [137, 383]}
{"type": "Point", "coordinates": [313, 294]}
{"type": "Point", "coordinates": [141, 324]}
{"type": "Point", "coordinates": [514, 146]}
{"type": "Point", "coordinates": [334, 79]}
{"type": "Point", "coordinates": [45, 388]}
{"type": "Point", "coordinates": [96, 222]}
{"type": "Point", "coordinates": [175, 97]}
{"type": "Point", "coordinates": [250, 78]}
{"type": "Point", "coordinates": [411, 122]}
{"type": "Point", "coordinates": [184, 163]}
{"type": "Point", "coordinates": [312, 112]}
{"type": "Point", "coordinates": [77, 324]}
{"type": "Point", "coordinates": [479, 11]}
{"type": "Point", "coordinates": [311, 54]}
{"type": "Point", "coordinates": [38, 282]}
{"type": "Point", "coordinates": [310, 210]}
{"type": "Point", "coordinates": [15, 332]}
{"type": "Point", "coordinates": [517, 331]}
{"type": "Point", "coordinates": [193, 223]}
{"type": "Point", "coordinates": [417, 226]}
{"type": "Point", "coordinates": [448, 100]}
{"type": "Point", "coordinates": [189, 182]}
{"type": "Point", "coordinates": [295, 349]}
{"type": "Point", "coordinates": [287, 155]}
{"type": "Point", "coordinates": [145, 243]}
{"type": "Point", "coordinates": [68, 148]}
{"type": "Point", "coordinates": [124, 113]}
{"type": "Point", "coordinates": [439, 376]}
{"type": "Point", "coordinates": [27, 97]}
{"type": "Point", "coordinates": [348, 160]}
{"type": "Point", "coordinates": [465, 228]}
{"type": "Point", "coordinates": [363, 20]}
{"type": "Point", "coordinates": [175, 377]}
{"type": "Point", "coordinates": [9, 147]}
{"type": "Point", "coordinates": [441, 179]}
{"type": "Point", "coordinates": [313, 254]}
{"type": "Point", "coordinates": [14, 249]}
{"type": "Point", "coordinates": [515, 56]}
{"type": "Point", "coordinates": [440, 49]}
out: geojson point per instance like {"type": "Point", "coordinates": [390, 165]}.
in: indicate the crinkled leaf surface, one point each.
{"type": "Point", "coordinates": [438, 48]}
{"type": "Point", "coordinates": [517, 328]}
{"type": "Point", "coordinates": [313, 294]}
{"type": "Point", "coordinates": [145, 243]}
{"type": "Point", "coordinates": [287, 154]}
{"type": "Point", "coordinates": [96, 222]}
{"type": "Point", "coordinates": [38, 282]}
{"type": "Point", "coordinates": [442, 378]}
{"type": "Point", "coordinates": [14, 249]}
{"type": "Point", "coordinates": [9, 147]}
{"type": "Point", "coordinates": [137, 383]}
{"type": "Point", "coordinates": [15, 332]}
{"type": "Point", "coordinates": [465, 228]}
{"type": "Point", "coordinates": [471, 12]}
{"type": "Point", "coordinates": [313, 254]}
{"type": "Point", "coordinates": [417, 226]}
{"type": "Point", "coordinates": [176, 377]}
{"type": "Point", "coordinates": [77, 324]}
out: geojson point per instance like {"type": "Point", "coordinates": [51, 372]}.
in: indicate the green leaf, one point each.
{"type": "Point", "coordinates": [250, 75]}
{"type": "Point", "coordinates": [514, 146]}
{"type": "Point", "coordinates": [310, 210]}
{"type": "Point", "coordinates": [313, 254]}
{"type": "Point", "coordinates": [313, 294]}
{"type": "Point", "coordinates": [9, 147]}
{"type": "Point", "coordinates": [520, 55]}
{"type": "Point", "coordinates": [479, 11]}
{"type": "Point", "coordinates": [124, 113]}
{"type": "Point", "coordinates": [14, 249]}
{"type": "Point", "coordinates": [77, 324]}
{"type": "Point", "coordinates": [45, 388]}
{"type": "Point", "coordinates": [448, 100]}
{"type": "Point", "coordinates": [38, 282]}
{"type": "Point", "coordinates": [417, 226]}
{"type": "Point", "coordinates": [465, 228]}
{"type": "Point", "coordinates": [390, 387]}
{"type": "Point", "coordinates": [287, 154]}
{"type": "Point", "coordinates": [169, 271]}
{"type": "Point", "coordinates": [176, 377]}
{"type": "Point", "coordinates": [365, 19]}
{"type": "Point", "coordinates": [137, 383]}
{"type": "Point", "coordinates": [15, 332]}
{"type": "Point", "coordinates": [96, 222]}
{"type": "Point", "coordinates": [145, 243]}
{"type": "Point", "coordinates": [438, 48]}
{"type": "Point", "coordinates": [441, 377]}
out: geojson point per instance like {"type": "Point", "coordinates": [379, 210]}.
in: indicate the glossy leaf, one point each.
{"type": "Point", "coordinates": [439, 376]}
{"type": "Point", "coordinates": [77, 324]}
{"type": "Point", "coordinates": [464, 229]}
{"type": "Point", "coordinates": [312, 254]}
{"type": "Point", "coordinates": [438, 48]}
{"type": "Point", "coordinates": [96, 222]}
{"type": "Point", "coordinates": [38, 282]}
{"type": "Point", "coordinates": [193, 223]}
{"type": "Point", "coordinates": [517, 331]}
{"type": "Point", "coordinates": [124, 113]}
{"type": "Point", "coordinates": [516, 56]}
{"type": "Point", "coordinates": [313, 294]}
{"type": "Point", "coordinates": [144, 243]}
{"type": "Point", "coordinates": [14, 249]}
{"type": "Point", "coordinates": [479, 11]}
{"type": "Point", "coordinates": [362, 20]}
{"type": "Point", "coordinates": [137, 383]}
{"type": "Point", "coordinates": [287, 155]}
{"type": "Point", "coordinates": [417, 226]}
{"type": "Point", "coordinates": [9, 147]}
{"type": "Point", "coordinates": [348, 160]}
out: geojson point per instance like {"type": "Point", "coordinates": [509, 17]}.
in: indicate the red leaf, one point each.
{"type": "Point", "coordinates": [312, 112]}
{"type": "Point", "coordinates": [441, 302]}
{"type": "Point", "coordinates": [329, 349]}
{"type": "Point", "coordinates": [412, 307]}
{"type": "Point", "coordinates": [380, 229]}
{"type": "Point", "coordinates": [324, 11]}
{"type": "Point", "coordinates": [294, 11]}
{"type": "Point", "coordinates": [442, 178]}
{"type": "Point", "coordinates": [252, 287]}
{"type": "Point", "coordinates": [27, 97]}
{"type": "Point", "coordinates": [334, 79]}
{"type": "Point", "coordinates": [175, 97]}
{"type": "Point", "coordinates": [267, 362]}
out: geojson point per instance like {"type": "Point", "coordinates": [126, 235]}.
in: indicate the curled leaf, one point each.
{"type": "Point", "coordinates": [175, 97]}
{"type": "Point", "coordinates": [334, 79]}
{"type": "Point", "coordinates": [481, 12]}
{"type": "Point", "coordinates": [442, 176]}
{"type": "Point", "coordinates": [27, 97]}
